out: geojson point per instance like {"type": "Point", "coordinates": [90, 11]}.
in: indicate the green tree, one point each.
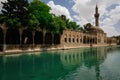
{"type": "Point", "coordinates": [13, 23]}
{"type": "Point", "coordinates": [2, 18]}
{"type": "Point", "coordinates": [69, 24]}
{"type": "Point", "coordinates": [56, 24]}
{"type": "Point", "coordinates": [41, 12]}
{"type": "Point", "coordinates": [16, 12]}
{"type": "Point", "coordinates": [33, 23]}
{"type": "Point", "coordinates": [73, 25]}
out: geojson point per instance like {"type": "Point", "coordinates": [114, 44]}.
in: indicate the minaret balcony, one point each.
{"type": "Point", "coordinates": [96, 15]}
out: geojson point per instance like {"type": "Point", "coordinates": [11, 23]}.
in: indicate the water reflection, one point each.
{"type": "Point", "coordinates": [55, 65]}
{"type": "Point", "coordinates": [89, 57]}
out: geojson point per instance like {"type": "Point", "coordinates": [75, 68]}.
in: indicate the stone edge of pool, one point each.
{"type": "Point", "coordinates": [18, 51]}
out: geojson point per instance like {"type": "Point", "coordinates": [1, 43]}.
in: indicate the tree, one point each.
{"type": "Point", "coordinates": [73, 25]}
{"type": "Point", "coordinates": [87, 26]}
{"type": "Point", "coordinates": [56, 24]}
{"type": "Point", "coordinates": [33, 23]}
{"type": "Point", "coordinates": [41, 11]}
{"type": "Point", "coordinates": [2, 18]}
{"type": "Point", "coordinates": [15, 11]}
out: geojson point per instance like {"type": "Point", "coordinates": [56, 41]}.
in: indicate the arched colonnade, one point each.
{"type": "Point", "coordinates": [19, 37]}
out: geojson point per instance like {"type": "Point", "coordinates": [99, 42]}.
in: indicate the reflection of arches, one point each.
{"type": "Point", "coordinates": [27, 37]}
{"type": "Point", "coordinates": [12, 36]}
{"type": "Point", "coordinates": [56, 39]}
{"type": "Point", "coordinates": [38, 37]}
{"type": "Point", "coordinates": [48, 38]}
{"type": "Point", "coordinates": [1, 39]}
{"type": "Point", "coordinates": [71, 57]}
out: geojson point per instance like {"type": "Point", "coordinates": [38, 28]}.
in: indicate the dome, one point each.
{"type": "Point", "coordinates": [96, 29]}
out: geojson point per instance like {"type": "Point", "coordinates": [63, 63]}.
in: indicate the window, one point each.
{"type": "Point", "coordinates": [66, 40]}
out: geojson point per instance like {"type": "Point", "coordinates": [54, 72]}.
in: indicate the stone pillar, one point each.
{"type": "Point", "coordinates": [52, 38]}
{"type": "Point", "coordinates": [82, 38]}
{"type": "Point", "coordinates": [44, 32]}
{"type": "Point", "coordinates": [4, 39]}
{"type": "Point", "coordinates": [20, 31]}
{"type": "Point", "coordinates": [89, 40]}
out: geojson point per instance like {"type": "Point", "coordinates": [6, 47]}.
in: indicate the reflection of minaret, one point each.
{"type": "Point", "coordinates": [96, 16]}
{"type": "Point", "coordinates": [97, 70]}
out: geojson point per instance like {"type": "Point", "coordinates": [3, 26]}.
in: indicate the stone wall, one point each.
{"type": "Point", "coordinates": [71, 38]}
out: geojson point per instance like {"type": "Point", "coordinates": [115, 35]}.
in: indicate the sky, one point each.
{"type": "Point", "coordinates": [82, 12]}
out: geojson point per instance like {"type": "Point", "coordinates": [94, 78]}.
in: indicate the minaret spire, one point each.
{"type": "Point", "coordinates": [96, 16]}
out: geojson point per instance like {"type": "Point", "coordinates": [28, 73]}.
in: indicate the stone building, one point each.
{"type": "Point", "coordinates": [112, 41]}
{"type": "Point", "coordinates": [94, 36]}
{"type": "Point", "coordinates": [22, 38]}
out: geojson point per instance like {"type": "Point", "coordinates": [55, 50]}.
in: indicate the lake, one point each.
{"type": "Point", "coordinates": [101, 63]}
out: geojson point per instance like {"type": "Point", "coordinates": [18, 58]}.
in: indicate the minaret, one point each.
{"type": "Point", "coordinates": [96, 16]}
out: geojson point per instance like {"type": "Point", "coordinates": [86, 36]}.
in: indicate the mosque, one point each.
{"type": "Point", "coordinates": [94, 37]}
{"type": "Point", "coordinates": [23, 39]}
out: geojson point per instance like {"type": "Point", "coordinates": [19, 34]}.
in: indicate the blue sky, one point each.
{"type": "Point", "coordinates": [82, 12]}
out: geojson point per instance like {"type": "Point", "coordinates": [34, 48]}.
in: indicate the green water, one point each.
{"type": "Point", "coordinates": [101, 63]}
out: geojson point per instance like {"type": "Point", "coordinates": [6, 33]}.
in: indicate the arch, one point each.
{"type": "Point", "coordinates": [88, 40]}
{"type": "Point", "coordinates": [12, 36]}
{"type": "Point", "coordinates": [1, 39]}
{"type": "Point", "coordinates": [95, 40]}
{"type": "Point", "coordinates": [84, 39]}
{"type": "Point", "coordinates": [77, 40]}
{"type": "Point", "coordinates": [56, 38]}
{"type": "Point", "coordinates": [80, 40]}
{"type": "Point", "coordinates": [38, 37]}
{"type": "Point", "coordinates": [27, 37]}
{"type": "Point", "coordinates": [48, 38]}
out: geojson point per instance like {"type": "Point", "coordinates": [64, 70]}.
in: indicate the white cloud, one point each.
{"type": "Point", "coordinates": [1, 3]}
{"type": "Point", "coordinates": [80, 20]}
{"type": "Point", "coordinates": [110, 23]}
{"type": "Point", "coordinates": [59, 10]}
{"type": "Point", "coordinates": [86, 10]}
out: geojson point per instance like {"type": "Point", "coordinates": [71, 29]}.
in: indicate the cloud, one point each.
{"type": "Point", "coordinates": [110, 23]}
{"type": "Point", "coordinates": [1, 3]}
{"type": "Point", "coordinates": [59, 10]}
{"type": "Point", "coordinates": [108, 18]}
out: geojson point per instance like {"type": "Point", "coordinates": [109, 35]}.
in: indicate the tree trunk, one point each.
{"type": "Point", "coordinates": [33, 34]}
{"type": "Point", "coordinates": [4, 41]}
{"type": "Point", "coordinates": [20, 31]}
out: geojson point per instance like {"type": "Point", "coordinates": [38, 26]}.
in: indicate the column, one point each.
{"type": "Point", "coordinates": [4, 39]}
{"type": "Point", "coordinates": [33, 34]}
